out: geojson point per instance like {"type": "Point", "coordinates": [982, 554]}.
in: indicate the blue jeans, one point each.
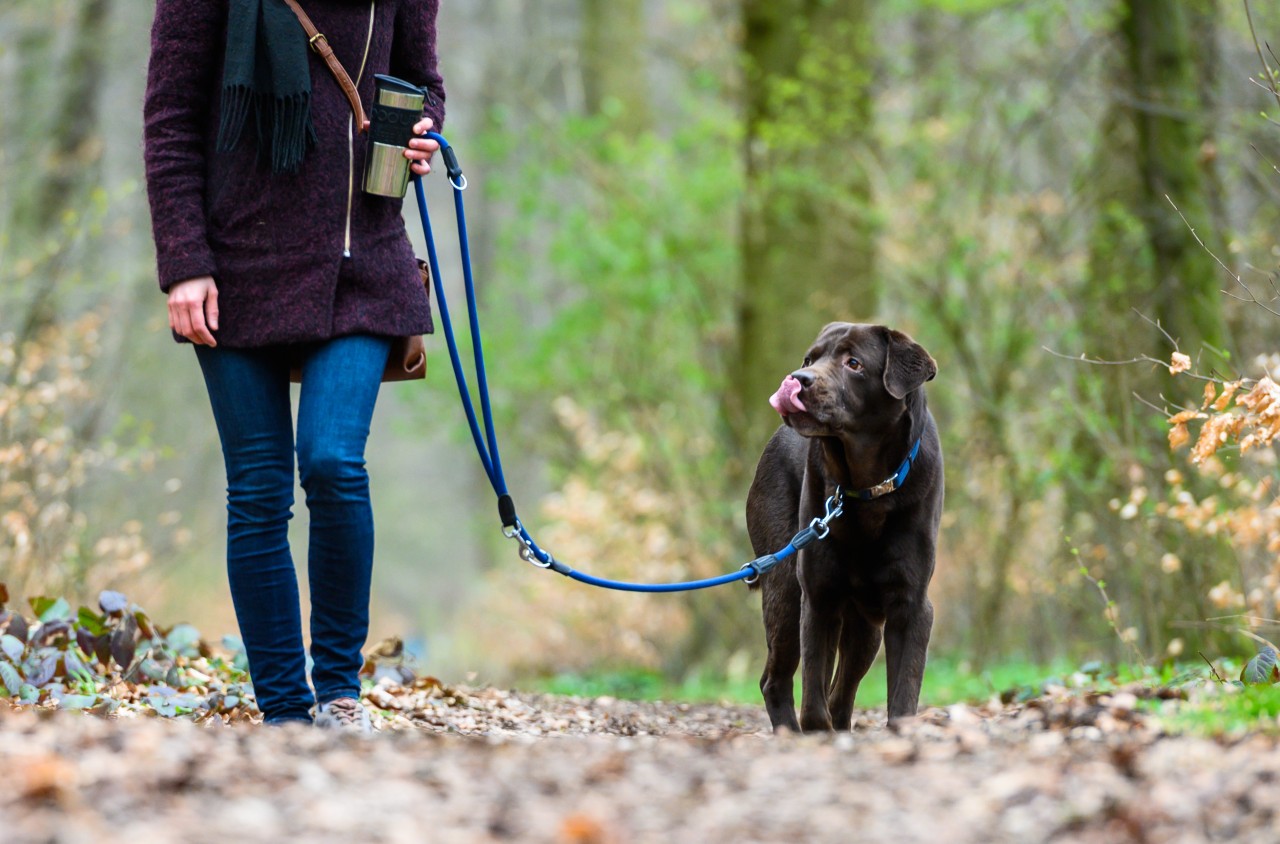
{"type": "Point", "coordinates": [249, 392]}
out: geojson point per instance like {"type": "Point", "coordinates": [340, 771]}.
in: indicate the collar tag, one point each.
{"type": "Point", "coordinates": [883, 488]}
{"type": "Point", "coordinates": [887, 486]}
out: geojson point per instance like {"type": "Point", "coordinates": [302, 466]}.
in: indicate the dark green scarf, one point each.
{"type": "Point", "coordinates": [267, 75]}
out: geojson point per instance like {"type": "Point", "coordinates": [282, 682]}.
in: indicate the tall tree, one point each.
{"type": "Point", "coordinates": [807, 240]}
{"type": "Point", "coordinates": [613, 70]}
{"type": "Point", "coordinates": [1154, 149]}
{"type": "Point", "coordinates": [1157, 133]}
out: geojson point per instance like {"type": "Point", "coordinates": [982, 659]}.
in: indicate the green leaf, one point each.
{"type": "Point", "coordinates": [12, 648]}
{"type": "Point", "coordinates": [153, 670]}
{"type": "Point", "coordinates": [11, 679]}
{"type": "Point", "coordinates": [105, 706]}
{"type": "Point", "coordinates": [77, 701]}
{"type": "Point", "coordinates": [91, 621]}
{"type": "Point", "coordinates": [1262, 669]}
{"type": "Point", "coordinates": [40, 604]}
{"type": "Point", "coordinates": [28, 693]}
{"type": "Point", "coordinates": [76, 669]}
{"type": "Point", "coordinates": [162, 700]}
{"type": "Point", "coordinates": [59, 610]}
{"type": "Point", "coordinates": [184, 640]}
{"type": "Point", "coordinates": [44, 671]}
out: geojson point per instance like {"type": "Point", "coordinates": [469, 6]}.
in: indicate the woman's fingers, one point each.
{"type": "Point", "coordinates": [189, 303]}
{"type": "Point", "coordinates": [421, 149]}
{"type": "Point", "coordinates": [200, 330]}
{"type": "Point", "coordinates": [211, 308]}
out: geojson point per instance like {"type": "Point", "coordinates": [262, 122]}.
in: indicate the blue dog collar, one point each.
{"type": "Point", "coordinates": [885, 487]}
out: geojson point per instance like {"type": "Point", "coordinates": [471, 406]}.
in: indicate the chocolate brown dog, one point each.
{"type": "Point", "coordinates": [855, 422]}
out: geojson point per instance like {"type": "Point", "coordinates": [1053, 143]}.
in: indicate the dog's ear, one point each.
{"type": "Point", "coordinates": [906, 364]}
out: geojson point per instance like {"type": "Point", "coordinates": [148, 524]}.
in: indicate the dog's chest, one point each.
{"type": "Point", "coordinates": [861, 524]}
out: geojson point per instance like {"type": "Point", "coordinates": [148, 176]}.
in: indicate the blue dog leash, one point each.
{"type": "Point", "coordinates": [486, 442]}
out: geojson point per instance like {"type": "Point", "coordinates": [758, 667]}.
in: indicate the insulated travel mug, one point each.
{"type": "Point", "coordinates": [397, 105]}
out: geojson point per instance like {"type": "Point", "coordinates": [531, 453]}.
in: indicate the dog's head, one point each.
{"type": "Point", "coordinates": [855, 378]}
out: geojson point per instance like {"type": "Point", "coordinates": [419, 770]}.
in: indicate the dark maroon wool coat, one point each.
{"type": "Point", "coordinates": [297, 257]}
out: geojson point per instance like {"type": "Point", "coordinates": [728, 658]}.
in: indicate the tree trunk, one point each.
{"type": "Point", "coordinates": [613, 68]}
{"type": "Point", "coordinates": [1184, 284]}
{"type": "Point", "coordinates": [807, 240]}
{"type": "Point", "coordinates": [1144, 258]}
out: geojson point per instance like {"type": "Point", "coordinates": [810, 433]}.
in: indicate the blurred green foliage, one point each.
{"type": "Point", "coordinates": [998, 176]}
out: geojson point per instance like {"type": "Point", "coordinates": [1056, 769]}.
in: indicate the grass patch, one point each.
{"type": "Point", "coordinates": [946, 681]}
{"type": "Point", "coordinates": [1220, 709]}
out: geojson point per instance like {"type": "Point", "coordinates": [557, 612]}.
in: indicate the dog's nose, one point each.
{"type": "Point", "coordinates": [803, 376]}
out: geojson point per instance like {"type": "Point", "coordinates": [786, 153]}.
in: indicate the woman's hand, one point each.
{"type": "Point", "coordinates": [193, 309]}
{"type": "Point", "coordinates": [421, 149]}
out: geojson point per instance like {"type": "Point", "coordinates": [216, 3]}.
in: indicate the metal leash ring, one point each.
{"type": "Point", "coordinates": [526, 552]}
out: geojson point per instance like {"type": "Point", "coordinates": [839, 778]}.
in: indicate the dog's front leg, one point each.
{"type": "Point", "coordinates": [906, 644]}
{"type": "Point", "coordinates": [819, 630]}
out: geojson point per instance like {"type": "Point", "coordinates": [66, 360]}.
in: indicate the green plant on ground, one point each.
{"type": "Point", "coordinates": [115, 659]}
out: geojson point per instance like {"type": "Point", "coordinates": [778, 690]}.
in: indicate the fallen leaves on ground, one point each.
{"type": "Point", "coordinates": [456, 763]}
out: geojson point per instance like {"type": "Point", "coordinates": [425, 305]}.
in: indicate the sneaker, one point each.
{"type": "Point", "coordinates": [345, 713]}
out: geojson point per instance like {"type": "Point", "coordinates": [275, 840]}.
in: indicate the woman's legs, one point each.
{"type": "Point", "coordinates": [249, 393]}
{"type": "Point", "coordinates": [340, 381]}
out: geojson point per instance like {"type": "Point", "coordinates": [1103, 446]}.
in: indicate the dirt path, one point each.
{"type": "Point", "coordinates": [492, 766]}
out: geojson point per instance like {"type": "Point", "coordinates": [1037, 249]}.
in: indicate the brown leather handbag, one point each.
{"type": "Point", "coordinates": [407, 360]}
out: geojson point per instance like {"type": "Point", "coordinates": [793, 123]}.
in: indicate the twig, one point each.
{"type": "Point", "coordinates": [1255, 637]}
{"type": "Point", "coordinates": [1081, 358]}
{"type": "Point", "coordinates": [1235, 276]}
{"type": "Point", "coordinates": [1112, 613]}
{"type": "Point", "coordinates": [1266, 68]}
{"type": "Point", "coordinates": [1158, 326]}
{"type": "Point", "coordinates": [1216, 675]}
{"type": "Point", "coordinates": [1253, 619]}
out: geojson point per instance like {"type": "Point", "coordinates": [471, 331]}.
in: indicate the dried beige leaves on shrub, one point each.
{"type": "Point", "coordinates": [1179, 363]}
{"type": "Point", "coordinates": [1257, 423]}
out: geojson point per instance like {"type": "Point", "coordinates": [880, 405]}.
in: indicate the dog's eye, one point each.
{"type": "Point", "coordinates": [854, 364]}
{"type": "Point", "coordinates": [808, 361]}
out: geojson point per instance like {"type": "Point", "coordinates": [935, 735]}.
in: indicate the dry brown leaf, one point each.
{"type": "Point", "coordinates": [583, 829]}
{"type": "Point", "coordinates": [1186, 416]}
{"type": "Point", "coordinates": [1210, 390]}
{"type": "Point", "coordinates": [1179, 363]}
{"type": "Point", "coordinates": [1179, 436]}
{"type": "Point", "coordinates": [1207, 443]}
{"type": "Point", "coordinates": [1228, 390]}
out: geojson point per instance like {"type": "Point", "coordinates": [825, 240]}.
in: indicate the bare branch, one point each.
{"type": "Point", "coordinates": [1234, 276]}
{"type": "Point", "coordinates": [1266, 68]}
{"type": "Point", "coordinates": [1158, 326]}
{"type": "Point", "coordinates": [1255, 637]}
{"type": "Point", "coordinates": [1081, 358]}
{"type": "Point", "coordinates": [1259, 153]}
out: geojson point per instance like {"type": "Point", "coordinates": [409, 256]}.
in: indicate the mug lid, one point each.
{"type": "Point", "coordinates": [392, 83]}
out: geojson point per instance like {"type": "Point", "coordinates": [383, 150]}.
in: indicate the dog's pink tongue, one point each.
{"type": "Point", "coordinates": [787, 399]}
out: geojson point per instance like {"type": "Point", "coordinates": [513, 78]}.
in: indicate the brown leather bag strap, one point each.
{"type": "Point", "coordinates": [321, 45]}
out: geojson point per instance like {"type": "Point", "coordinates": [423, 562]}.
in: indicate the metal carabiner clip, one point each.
{"type": "Point", "coordinates": [516, 532]}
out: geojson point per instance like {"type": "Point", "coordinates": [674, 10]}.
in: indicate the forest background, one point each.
{"type": "Point", "coordinates": [668, 199]}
